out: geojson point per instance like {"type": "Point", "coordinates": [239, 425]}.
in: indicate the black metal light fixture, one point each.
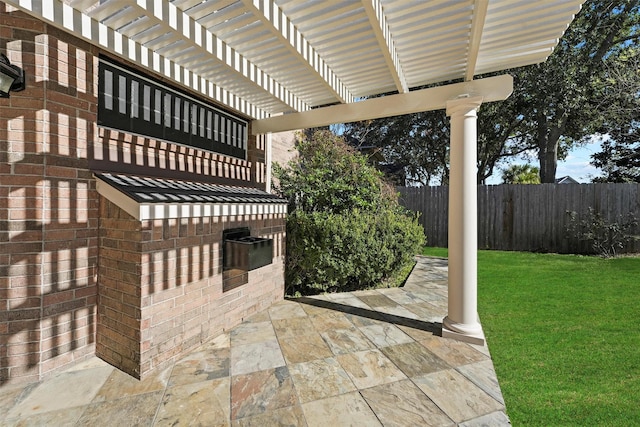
{"type": "Point", "coordinates": [11, 77]}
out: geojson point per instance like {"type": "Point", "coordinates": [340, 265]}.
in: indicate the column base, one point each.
{"type": "Point", "coordinates": [472, 334]}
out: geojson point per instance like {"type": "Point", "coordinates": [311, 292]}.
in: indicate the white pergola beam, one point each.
{"type": "Point", "coordinates": [67, 18]}
{"type": "Point", "coordinates": [490, 89]}
{"type": "Point", "coordinates": [477, 25]}
{"type": "Point", "coordinates": [374, 11]}
{"type": "Point", "coordinates": [281, 27]}
{"type": "Point", "coordinates": [185, 28]}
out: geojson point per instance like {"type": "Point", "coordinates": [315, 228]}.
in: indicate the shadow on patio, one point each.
{"type": "Point", "coordinates": [359, 358]}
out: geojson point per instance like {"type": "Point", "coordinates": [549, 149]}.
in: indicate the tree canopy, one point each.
{"type": "Point", "coordinates": [521, 174]}
{"type": "Point", "coordinates": [556, 105]}
{"type": "Point", "coordinates": [619, 159]}
{"type": "Point", "coordinates": [563, 99]}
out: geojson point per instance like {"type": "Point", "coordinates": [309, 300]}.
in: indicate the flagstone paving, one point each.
{"type": "Point", "coordinates": [361, 358]}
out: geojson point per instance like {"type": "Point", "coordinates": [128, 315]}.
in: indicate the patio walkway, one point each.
{"type": "Point", "coordinates": [360, 358]}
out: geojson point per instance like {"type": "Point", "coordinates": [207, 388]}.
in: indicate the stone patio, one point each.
{"type": "Point", "coordinates": [352, 359]}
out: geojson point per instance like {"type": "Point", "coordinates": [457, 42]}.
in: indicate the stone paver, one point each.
{"type": "Point", "coordinates": [361, 358]}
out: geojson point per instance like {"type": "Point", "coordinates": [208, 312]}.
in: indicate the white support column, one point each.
{"type": "Point", "coordinates": [462, 320]}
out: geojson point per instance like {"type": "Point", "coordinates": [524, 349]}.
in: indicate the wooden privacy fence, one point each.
{"type": "Point", "coordinates": [526, 217]}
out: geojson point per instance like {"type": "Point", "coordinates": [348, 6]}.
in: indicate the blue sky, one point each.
{"type": "Point", "coordinates": [576, 165]}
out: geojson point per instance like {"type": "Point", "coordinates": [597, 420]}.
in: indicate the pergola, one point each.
{"type": "Point", "coordinates": [293, 64]}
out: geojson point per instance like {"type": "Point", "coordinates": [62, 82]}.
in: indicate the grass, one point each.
{"type": "Point", "coordinates": [564, 334]}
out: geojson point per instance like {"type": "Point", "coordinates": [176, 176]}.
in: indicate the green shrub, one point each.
{"type": "Point", "coordinates": [606, 238]}
{"type": "Point", "coordinates": [345, 229]}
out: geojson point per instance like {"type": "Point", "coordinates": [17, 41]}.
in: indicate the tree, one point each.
{"type": "Point", "coordinates": [521, 174]}
{"type": "Point", "coordinates": [412, 141]}
{"type": "Point", "coordinates": [555, 105]}
{"type": "Point", "coordinates": [619, 159]}
{"type": "Point", "coordinates": [420, 142]}
{"type": "Point", "coordinates": [345, 228]}
{"type": "Point", "coordinates": [562, 97]}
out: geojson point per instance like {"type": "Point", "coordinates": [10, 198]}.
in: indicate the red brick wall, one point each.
{"type": "Point", "coordinates": [119, 271]}
{"type": "Point", "coordinates": [116, 151]}
{"type": "Point", "coordinates": [65, 271]}
{"type": "Point", "coordinates": [161, 287]}
{"type": "Point", "coordinates": [183, 303]}
{"type": "Point", "coordinates": [48, 203]}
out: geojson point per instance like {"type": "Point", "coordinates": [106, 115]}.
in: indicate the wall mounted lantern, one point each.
{"type": "Point", "coordinates": [11, 77]}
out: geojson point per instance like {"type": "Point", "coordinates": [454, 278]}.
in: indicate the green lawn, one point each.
{"type": "Point", "coordinates": [564, 334]}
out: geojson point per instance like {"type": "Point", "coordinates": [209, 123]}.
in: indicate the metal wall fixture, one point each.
{"type": "Point", "coordinates": [243, 252]}
{"type": "Point", "coordinates": [11, 77]}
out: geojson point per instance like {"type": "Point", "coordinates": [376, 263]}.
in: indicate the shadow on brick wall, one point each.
{"type": "Point", "coordinates": [49, 210]}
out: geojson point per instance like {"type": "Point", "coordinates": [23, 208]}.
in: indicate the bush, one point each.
{"type": "Point", "coordinates": [345, 228]}
{"type": "Point", "coordinates": [606, 238]}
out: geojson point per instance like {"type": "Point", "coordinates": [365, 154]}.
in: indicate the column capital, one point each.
{"type": "Point", "coordinates": [463, 105]}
